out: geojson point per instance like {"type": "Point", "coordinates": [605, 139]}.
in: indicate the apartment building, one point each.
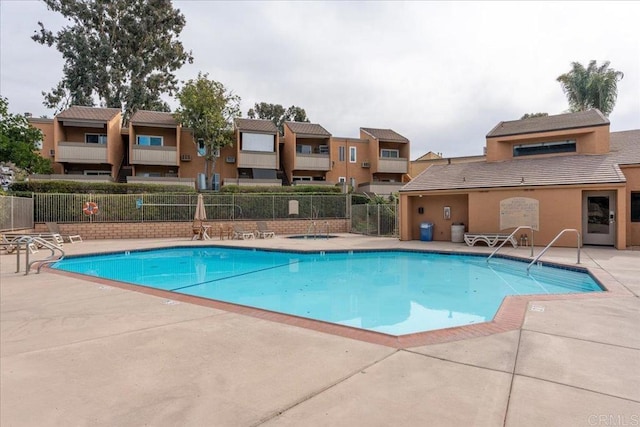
{"type": "Point", "coordinates": [88, 143]}
{"type": "Point", "coordinates": [376, 162]}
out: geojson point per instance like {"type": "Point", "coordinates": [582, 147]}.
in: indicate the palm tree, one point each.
{"type": "Point", "coordinates": [591, 87]}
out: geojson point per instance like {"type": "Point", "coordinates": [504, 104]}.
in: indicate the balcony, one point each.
{"type": "Point", "coordinates": [252, 182]}
{"type": "Point", "coordinates": [190, 182]}
{"type": "Point", "coordinates": [313, 162]}
{"type": "Point", "coordinates": [257, 159]}
{"type": "Point", "coordinates": [71, 177]}
{"type": "Point", "coordinates": [386, 165]}
{"type": "Point", "coordinates": [151, 155]}
{"type": "Point", "coordinates": [382, 188]}
{"type": "Point", "coordinates": [79, 152]}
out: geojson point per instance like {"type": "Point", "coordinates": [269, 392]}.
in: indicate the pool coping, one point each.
{"type": "Point", "coordinates": [509, 316]}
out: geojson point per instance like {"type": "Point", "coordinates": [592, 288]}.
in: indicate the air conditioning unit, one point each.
{"type": "Point", "coordinates": [185, 157]}
{"type": "Point", "coordinates": [216, 152]}
{"type": "Point", "coordinates": [230, 159]}
{"type": "Point", "coordinates": [366, 165]}
{"type": "Point", "coordinates": [52, 153]}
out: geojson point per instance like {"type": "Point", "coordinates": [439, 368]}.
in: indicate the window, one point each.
{"type": "Point", "coordinates": [323, 149]}
{"type": "Point", "coordinates": [352, 154]}
{"type": "Point", "coordinates": [301, 178]}
{"type": "Point", "coordinates": [389, 154]}
{"type": "Point", "coordinates": [341, 153]}
{"type": "Point", "coordinates": [154, 141]}
{"type": "Point", "coordinates": [202, 149]}
{"type": "Point", "coordinates": [257, 142]}
{"type": "Point", "coordinates": [342, 179]}
{"type": "Point", "coordinates": [95, 138]}
{"type": "Point", "coordinates": [635, 206]}
{"type": "Point", "coordinates": [149, 174]}
{"type": "Point", "coordinates": [568, 146]}
{"type": "Point", "coordinates": [97, 172]}
{"type": "Point", "coordinates": [303, 149]}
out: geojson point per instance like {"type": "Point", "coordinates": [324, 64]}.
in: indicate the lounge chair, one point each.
{"type": "Point", "coordinates": [10, 245]}
{"type": "Point", "coordinates": [54, 228]}
{"type": "Point", "coordinates": [240, 233]}
{"type": "Point", "coordinates": [263, 231]}
{"type": "Point", "coordinates": [491, 239]}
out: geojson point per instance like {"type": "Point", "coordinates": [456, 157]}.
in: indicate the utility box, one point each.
{"type": "Point", "coordinates": [426, 231]}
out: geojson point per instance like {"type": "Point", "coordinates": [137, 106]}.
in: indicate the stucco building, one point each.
{"type": "Point", "coordinates": [552, 173]}
{"type": "Point", "coordinates": [88, 143]}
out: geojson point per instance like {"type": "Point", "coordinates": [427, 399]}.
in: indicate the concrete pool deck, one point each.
{"type": "Point", "coordinates": [77, 352]}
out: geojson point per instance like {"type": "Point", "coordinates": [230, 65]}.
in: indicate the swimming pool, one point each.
{"type": "Point", "coordinates": [393, 292]}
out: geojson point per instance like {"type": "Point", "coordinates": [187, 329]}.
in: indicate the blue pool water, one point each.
{"type": "Point", "coordinates": [393, 292]}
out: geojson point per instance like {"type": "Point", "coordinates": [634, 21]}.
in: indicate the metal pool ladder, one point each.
{"type": "Point", "coordinates": [553, 241]}
{"type": "Point", "coordinates": [49, 260]}
{"type": "Point", "coordinates": [521, 227]}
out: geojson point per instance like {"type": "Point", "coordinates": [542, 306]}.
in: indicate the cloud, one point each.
{"type": "Point", "coordinates": [440, 73]}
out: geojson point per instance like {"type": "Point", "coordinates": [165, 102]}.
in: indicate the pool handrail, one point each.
{"type": "Point", "coordinates": [553, 241]}
{"type": "Point", "coordinates": [520, 227]}
{"type": "Point", "coordinates": [50, 259]}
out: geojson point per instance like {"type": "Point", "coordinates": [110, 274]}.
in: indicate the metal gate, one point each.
{"type": "Point", "coordinates": [375, 220]}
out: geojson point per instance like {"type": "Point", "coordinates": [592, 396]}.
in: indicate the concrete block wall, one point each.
{"type": "Point", "coordinates": [146, 230]}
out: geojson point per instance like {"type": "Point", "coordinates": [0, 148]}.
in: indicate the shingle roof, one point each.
{"type": "Point", "coordinates": [549, 123]}
{"type": "Point", "coordinates": [385, 135]}
{"type": "Point", "coordinates": [557, 170]}
{"type": "Point", "coordinates": [304, 128]}
{"type": "Point", "coordinates": [255, 125]}
{"type": "Point", "coordinates": [76, 112]}
{"type": "Point", "coordinates": [157, 118]}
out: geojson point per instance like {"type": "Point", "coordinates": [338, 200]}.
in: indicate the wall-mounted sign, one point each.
{"type": "Point", "coordinates": [517, 211]}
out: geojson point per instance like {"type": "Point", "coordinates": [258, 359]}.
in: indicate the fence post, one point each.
{"type": "Point", "coordinates": [378, 220]}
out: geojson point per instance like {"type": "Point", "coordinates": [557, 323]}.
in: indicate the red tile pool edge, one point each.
{"type": "Point", "coordinates": [509, 316]}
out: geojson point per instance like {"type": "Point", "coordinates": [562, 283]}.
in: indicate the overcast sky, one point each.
{"type": "Point", "coordinates": [442, 74]}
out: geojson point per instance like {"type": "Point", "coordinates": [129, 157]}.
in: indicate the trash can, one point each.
{"type": "Point", "coordinates": [426, 231]}
{"type": "Point", "coordinates": [457, 233]}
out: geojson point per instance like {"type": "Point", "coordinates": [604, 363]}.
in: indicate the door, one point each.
{"type": "Point", "coordinates": [599, 218]}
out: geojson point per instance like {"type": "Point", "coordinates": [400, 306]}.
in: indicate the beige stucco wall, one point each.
{"type": "Point", "coordinates": [632, 173]}
{"type": "Point", "coordinates": [115, 148]}
{"type": "Point", "coordinates": [48, 142]}
{"type": "Point", "coordinates": [559, 208]}
{"type": "Point", "coordinates": [433, 207]}
{"type": "Point", "coordinates": [590, 140]}
{"type": "Point", "coordinates": [345, 168]}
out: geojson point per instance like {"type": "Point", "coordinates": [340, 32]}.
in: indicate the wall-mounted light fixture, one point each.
{"type": "Point", "coordinates": [447, 212]}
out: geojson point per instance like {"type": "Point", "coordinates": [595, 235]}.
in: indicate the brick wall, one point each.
{"type": "Point", "coordinates": [144, 230]}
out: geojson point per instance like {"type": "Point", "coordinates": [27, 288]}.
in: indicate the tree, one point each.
{"type": "Point", "coordinates": [277, 114]}
{"type": "Point", "coordinates": [208, 109]}
{"type": "Point", "coordinates": [591, 87]}
{"type": "Point", "coordinates": [19, 142]}
{"type": "Point", "coordinates": [122, 52]}
{"type": "Point", "coordinates": [532, 115]}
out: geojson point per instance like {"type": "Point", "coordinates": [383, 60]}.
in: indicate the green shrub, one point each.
{"type": "Point", "coordinates": [76, 187]}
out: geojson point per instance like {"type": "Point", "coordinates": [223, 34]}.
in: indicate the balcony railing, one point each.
{"type": "Point", "coordinates": [252, 182]}
{"type": "Point", "coordinates": [313, 162]}
{"type": "Point", "coordinates": [79, 152]}
{"type": "Point", "coordinates": [71, 177]}
{"type": "Point", "coordinates": [386, 165]}
{"type": "Point", "coordinates": [150, 155]}
{"type": "Point", "coordinates": [380, 187]}
{"type": "Point", "coordinates": [161, 180]}
{"type": "Point", "coordinates": [257, 159]}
